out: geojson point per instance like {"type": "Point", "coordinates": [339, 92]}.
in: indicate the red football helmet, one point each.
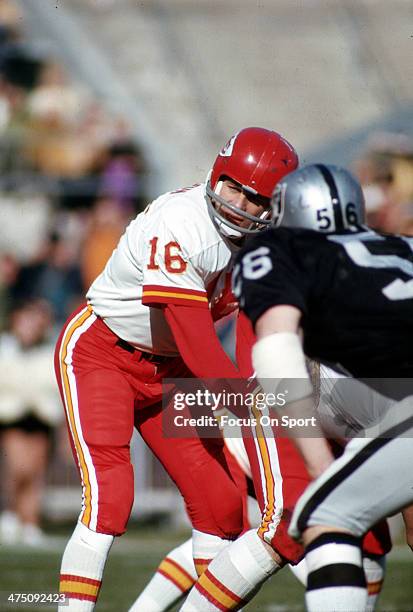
{"type": "Point", "coordinates": [256, 158]}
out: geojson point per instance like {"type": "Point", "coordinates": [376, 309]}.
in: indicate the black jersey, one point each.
{"type": "Point", "coordinates": [355, 292]}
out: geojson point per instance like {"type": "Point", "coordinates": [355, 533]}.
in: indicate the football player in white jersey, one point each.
{"type": "Point", "coordinates": [149, 316]}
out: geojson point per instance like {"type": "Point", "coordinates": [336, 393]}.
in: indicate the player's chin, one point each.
{"type": "Point", "coordinates": [238, 221]}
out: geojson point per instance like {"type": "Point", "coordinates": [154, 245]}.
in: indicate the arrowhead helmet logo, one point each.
{"type": "Point", "coordinates": [227, 149]}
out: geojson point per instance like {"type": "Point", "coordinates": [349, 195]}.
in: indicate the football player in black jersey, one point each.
{"type": "Point", "coordinates": [321, 283]}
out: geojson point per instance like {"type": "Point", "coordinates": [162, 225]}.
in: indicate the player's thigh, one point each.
{"type": "Point", "coordinates": [201, 473]}
{"type": "Point", "coordinates": [372, 480]}
{"type": "Point", "coordinates": [99, 404]}
{"type": "Point", "coordinates": [100, 413]}
{"type": "Point", "coordinates": [239, 477]}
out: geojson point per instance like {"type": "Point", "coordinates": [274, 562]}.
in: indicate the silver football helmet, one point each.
{"type": "Point", "coordinates": [319, 197]}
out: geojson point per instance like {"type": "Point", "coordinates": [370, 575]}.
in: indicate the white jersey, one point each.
{"type": "Point", "coordinates": [170, 253]}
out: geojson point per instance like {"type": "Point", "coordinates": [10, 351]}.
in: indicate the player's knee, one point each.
{"type": "Point", "coordinates": [220, 516]}
{"type": "Point", "coordinates": [115, 500]}
{"type": "Point", "coordinates": [227, 518]}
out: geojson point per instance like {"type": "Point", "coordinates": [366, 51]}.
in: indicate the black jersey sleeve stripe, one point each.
{"type": "Point", "coordinates": [366, 453]}
{"type": "Point", "coordinates": [335, 198]}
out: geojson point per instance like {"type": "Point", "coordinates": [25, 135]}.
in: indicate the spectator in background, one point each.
{"type": "Point", "coordinates": [386, 175]}
{"type": "Point", "coordinates": [107, 223]}
{"type": "Point", "coordinates": [8, 273]}
{"type": "Point", "coordinates": [29, 411]}
{"type": "Point", "coordinates": [121, 175]}
{"type": "Point", "coordinates": [57, 145]}
{"type": "Point", "coordinates": [53, 276]}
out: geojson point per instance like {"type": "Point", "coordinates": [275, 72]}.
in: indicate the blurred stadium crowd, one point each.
{"type": "Point", "coordinates": [71, 177]}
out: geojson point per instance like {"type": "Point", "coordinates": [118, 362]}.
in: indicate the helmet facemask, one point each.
{"type": "Point", "coordinates": [217, 205]}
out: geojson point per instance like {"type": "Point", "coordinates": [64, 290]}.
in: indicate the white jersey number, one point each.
{"type": "Point", "coordinates": [255, 264]}
{"type": "Point", "coordinates": [359, 253]}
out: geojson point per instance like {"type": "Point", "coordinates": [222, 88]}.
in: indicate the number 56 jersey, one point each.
{"type": "Point", "coordinates": [355, 292]}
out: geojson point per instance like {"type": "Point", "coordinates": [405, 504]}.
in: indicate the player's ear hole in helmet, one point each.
{"type": "Point", "coordinates": [320, 197]}
{"type": "Point", "coordinates": [256, 159]}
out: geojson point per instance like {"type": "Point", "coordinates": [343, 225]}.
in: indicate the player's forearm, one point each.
{"type": "Point", "coordinates": [197, 342]}
{"type": "Point", "coordinates": [313, 445]}
{"type": "Point", "coordinates": [279, 362]}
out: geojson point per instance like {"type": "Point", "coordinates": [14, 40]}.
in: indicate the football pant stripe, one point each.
{"type": "Point", "coordinates": [271, 478]}
{"type": "Point", "coordinates": [75, 329]}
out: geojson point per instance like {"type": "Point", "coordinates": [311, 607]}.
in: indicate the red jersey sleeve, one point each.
{"type": "Point", "coordinates": [244, 341]}
{"type": "Point", "coordinates": [200, 348]}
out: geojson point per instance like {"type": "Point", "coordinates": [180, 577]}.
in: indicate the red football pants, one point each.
{"type": "Point", "coordinates": [107, 390]}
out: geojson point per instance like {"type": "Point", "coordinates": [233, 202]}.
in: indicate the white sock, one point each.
{"type": "Point", "coordinates": [174, 577]}
{"type": "Point", "coordinates": [336, 581]}
{"type": "Point", "coordinates": [206, 547]}
{"type": "Point", "coordinates": [82, 568]}
{"type": "Point", "coordinates": [300, 571]}
{"type": "Point", "coordinates": [233, 576]}
{"type": "Point", "coordinates": [374, 570]}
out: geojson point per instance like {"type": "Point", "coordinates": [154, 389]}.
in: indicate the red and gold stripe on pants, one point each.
{"type": "Point", "coordinates": [271, 478]}
{"type": "Point", "coordinates": [79, 324]}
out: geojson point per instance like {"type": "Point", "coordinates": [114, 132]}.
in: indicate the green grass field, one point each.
{"type": "Point", "coordinates": [134, 557]}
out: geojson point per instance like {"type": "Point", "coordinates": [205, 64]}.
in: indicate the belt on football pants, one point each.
{"type": "Point", "coordinates": [151, 357]}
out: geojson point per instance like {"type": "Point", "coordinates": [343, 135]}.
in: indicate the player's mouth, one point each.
{"type": "Point", "coordinates": [232, 218]}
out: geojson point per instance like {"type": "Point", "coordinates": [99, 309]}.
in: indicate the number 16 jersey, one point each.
{"type": "Point", "coordinates": [171, 253]}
